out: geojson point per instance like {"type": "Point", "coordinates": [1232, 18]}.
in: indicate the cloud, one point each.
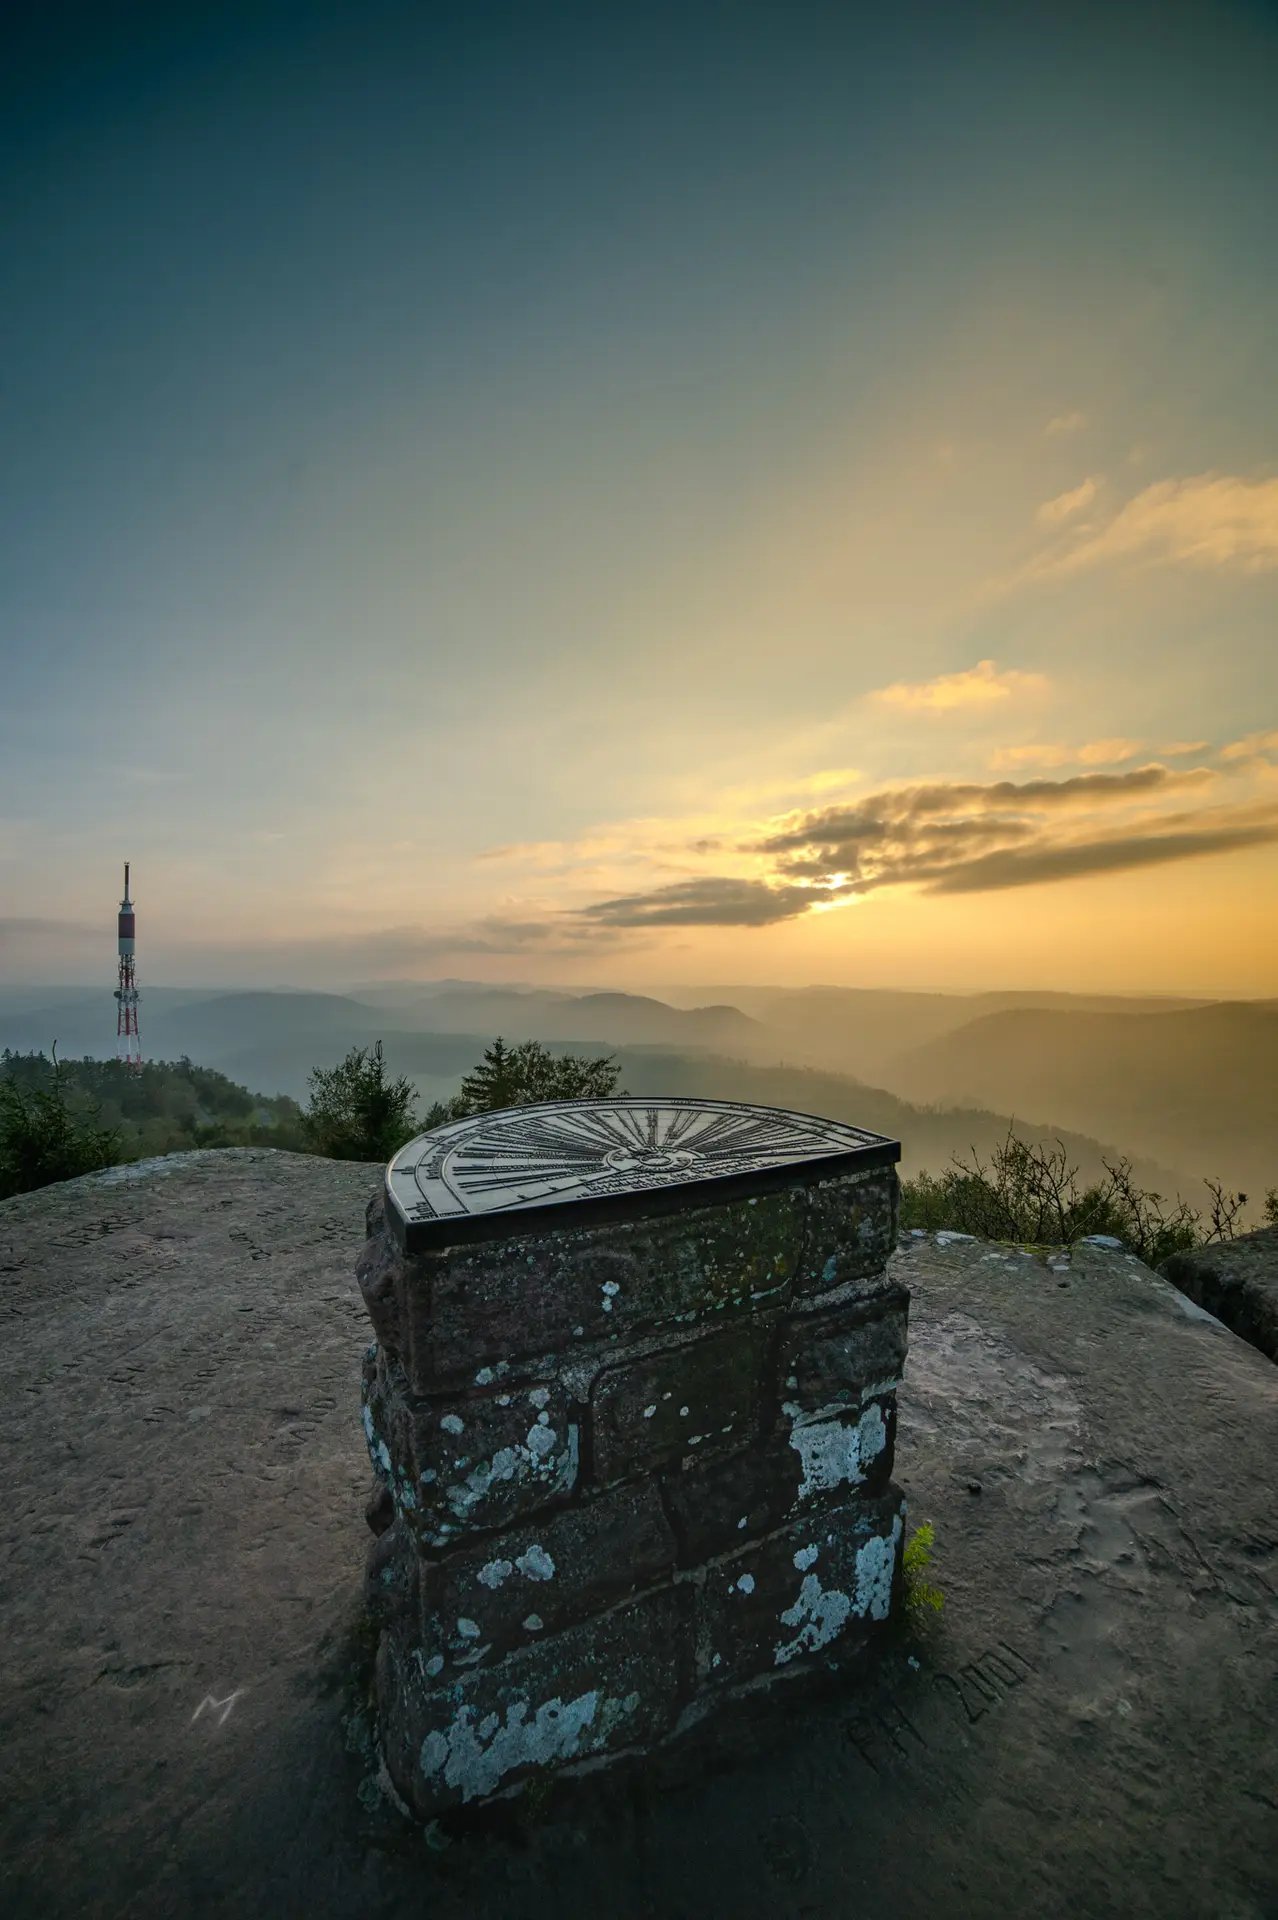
{"type": "Point", "coordinates": [1252, 747]}
{"type": "Point", "coordinates": [1092, 753]}
{"type": "Point", "coordinates": [1052, 512]}
{"type": "Point", "coordinates": [712, 902]}
{"type": "Point", "coordinates": [979, 686]}
{"type": "Point", "coordinates": [923, 832]}
{"type": "Point", "coordinates": [1063, 423]}
{"type": "Point", "coordinates": [400, 951]}
{"type": "Point", "coordinates": [1210, 520]}
{"type": "Point", "coordinates": [1179, 748]}
{"type": "Point", "coordinates": [951, 837]}
{"type": "Point", "coordinates": [1031, 866]}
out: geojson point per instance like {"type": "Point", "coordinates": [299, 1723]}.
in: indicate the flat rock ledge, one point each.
{"type": "Point", "coordinates": [1087, 1728]}
{"type": "Point", "coordinates": [1237, 1280]}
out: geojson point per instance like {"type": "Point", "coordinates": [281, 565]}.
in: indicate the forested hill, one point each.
{"type": "Point", "coordinates": [164, 1107]}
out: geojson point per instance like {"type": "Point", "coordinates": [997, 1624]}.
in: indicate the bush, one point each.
{"type": "Point", "coordinates": [43, 1138]}
{"type": "Point", "coordinates": [521, 1075]}
{"type": "Point", "coordinates": [1029, 1194]}
{"type": "Point", "coordinates": [1271, 1207]}
{"type": "Point", "coordinates": [356, 1112]}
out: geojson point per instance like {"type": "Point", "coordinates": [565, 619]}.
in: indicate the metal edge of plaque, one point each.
{"type": "Point", "coordinates": [641, 1202]}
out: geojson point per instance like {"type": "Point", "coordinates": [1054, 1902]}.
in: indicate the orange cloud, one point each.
{"type": "Point", "coordinates": [1251, 747]}
{"type": "Point", "coordinates": [1210, 520]}
{"type": "Point", "coordinates": [979, 686]}
{"type": "Point", "coordinates": [1092, 753]}
{"type": "Point", "coordinates": [1052, 512]}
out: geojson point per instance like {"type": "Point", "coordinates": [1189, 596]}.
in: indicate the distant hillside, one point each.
{"type": "Point", "coordinates": [614, 1018]}
{"type": "Point", "coordinates": [275, 1038]}
{"type": "Point", "coordinates": [1197, 1088]}
{"type": "Point", "coordinates": [1187, 1087]}
{"type": "Point", "coordinates": [865, 1030]}
{"type": "Point", "coordinates": [929, 1137]}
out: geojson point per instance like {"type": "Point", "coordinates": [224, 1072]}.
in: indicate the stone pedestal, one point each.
{"type": "Point", "coordinates": [631, 1409]}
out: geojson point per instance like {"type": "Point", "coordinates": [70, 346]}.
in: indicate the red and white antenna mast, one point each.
{"type": "Point", "coordinates": [128, 1044]}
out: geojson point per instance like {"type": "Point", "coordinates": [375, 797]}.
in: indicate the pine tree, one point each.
{"type": "Point", "coordinates": [355, 1112]}
{"type": "Point", "coordinates": [520, 1075]}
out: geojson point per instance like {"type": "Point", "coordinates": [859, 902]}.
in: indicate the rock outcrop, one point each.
{"type": "Point", "coordinates": [1086, 1729]}
{"type": "Point", "coordinates": [1237, 1280]}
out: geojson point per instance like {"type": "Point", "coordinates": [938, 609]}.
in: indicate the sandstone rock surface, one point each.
{"type": "Point", "coordinates": [1237, 1280]}
{"type": "Point", "coordinates": [1086, 1729]}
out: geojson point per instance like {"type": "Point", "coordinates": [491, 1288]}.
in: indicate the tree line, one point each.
{"type": "Point", "coordinates": [62, 1118]}
{"type": "Point", "coordinates": [59, 1119]}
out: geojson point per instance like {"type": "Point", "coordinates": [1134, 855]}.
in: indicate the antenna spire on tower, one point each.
{"type": "Point", "coordinates": [128, 1043]}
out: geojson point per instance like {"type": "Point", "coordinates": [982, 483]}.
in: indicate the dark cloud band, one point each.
{"type": "Point", "coordinates": [948, 838]}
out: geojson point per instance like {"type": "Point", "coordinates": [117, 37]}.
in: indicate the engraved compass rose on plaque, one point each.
{"type": "Point", "coordinates": [574, 1160]}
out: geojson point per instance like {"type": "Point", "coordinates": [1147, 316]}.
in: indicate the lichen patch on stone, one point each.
{"type": "Point", "coordinates": [875, 1564]}
{"type": "Point", "coordinates": [536, 1564]}
{"type": "Point", "coordinates": [475, 1758]}
{"type": "Point", "coordinates": [820, 1617]}
{"type": "Point", "coordinates": [833, 1452]}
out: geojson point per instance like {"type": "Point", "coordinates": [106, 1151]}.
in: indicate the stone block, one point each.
{"type": "Point", "coordinates": [485, 1460]}
{"type": "Point", "coordinates": [795, 1470]}
{"type": "Point", "coordinates": [844, 1451]}
{"type": "Point", "coordinates": [835, 1358]}
{"type": "Point", "coordinates": [522, 1586]}
{"type": "Point", "coordinates": [717, 1505]}
{"type": "Point", "coordinates": [839, 1369]}
{"type": "Point", "coordinates": [453, 1312]}
{"type": "Point", "coordinates": [851, 1230]}
{"type": "Point", "coordinates": [392, 1574]}
{"type": "Point", "coordinates": [378, 1271]}
{"type": "Point", "coordinates": [611, 1684]}
{"type": "Point", "coordinates": [695, 1400]}
{"type": "Point", "coordinates": [813, 1589]}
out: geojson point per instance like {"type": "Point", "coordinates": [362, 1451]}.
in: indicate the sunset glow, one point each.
{"type": "Point", "coordinates": [593, 507]}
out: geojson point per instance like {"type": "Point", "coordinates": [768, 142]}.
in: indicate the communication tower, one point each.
{"type": "Point", "coordinates": [128, 1044]}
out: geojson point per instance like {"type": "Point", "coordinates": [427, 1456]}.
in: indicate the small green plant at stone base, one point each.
{"type": "Point", "coordinates": [921, 1597]}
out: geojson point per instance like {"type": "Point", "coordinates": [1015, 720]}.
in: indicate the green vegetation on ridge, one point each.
{"type": "Point", "coordinates": [1028, 1193]}
{"type": "Point", "coordinates": [59, 1119]}
{"type": "Point", "coordinates": [357, 1112]}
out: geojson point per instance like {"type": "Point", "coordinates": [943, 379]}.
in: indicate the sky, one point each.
{"type": "Point", "coordinates": [760, 493]}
